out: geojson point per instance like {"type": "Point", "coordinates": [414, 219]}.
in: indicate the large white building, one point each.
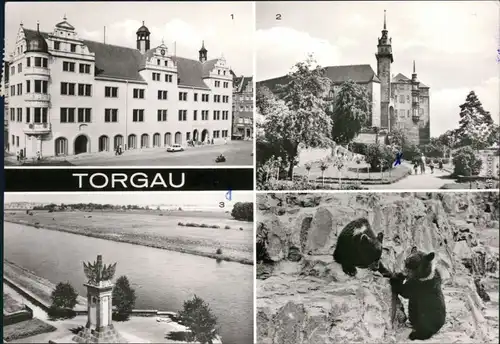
{"type": "Point", "coordinates": [67, 95]}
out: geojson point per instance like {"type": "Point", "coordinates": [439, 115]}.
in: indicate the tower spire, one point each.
{"type": "Point", "coordinates": [37, 26]}
{"type": "Point", "coordinates": [385, 21]}
{"type": "Point", "coordinates": [414, 67]}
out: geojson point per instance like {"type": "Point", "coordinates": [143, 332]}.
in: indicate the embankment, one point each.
{"type": "Point", "coordinates": [304, 297]}
{"type": "Point", "coordinates": [138, 234]}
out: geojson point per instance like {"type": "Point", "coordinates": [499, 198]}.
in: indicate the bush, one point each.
{"type": "Point", "coordinates": [227, 227]}
{"type": "Point", "coordinates": [446, 161]}
{"type": "Point", "coordinates": [123, 298]}
{"type": "Point", "coordinates": [243, 211]}
{"type": "Point", "coordinates": [411, 152]}
{"type": "Point", "coordinates": [358, 147]}
{"type": "Point", "coordinates": [64, 296]}
{"type": "Point", "coordinates": [377, 152]}
{"type": "Point", "coordinates": [198, 317]}
{"type": "Point", "coordinates": [241, 228]}
{"type": "Point", "coordinates": [466, 163]}
{"type": "Point", "coordinates": [203, 225]}
{"type": "Point", "coordinates": [180, 224]}
{"type": "Point", "coordinates": [60, 313]}
{"type": "Point", "coordinates": [219, 251]}
{"type": "Point", "coordinates": [215, 226]}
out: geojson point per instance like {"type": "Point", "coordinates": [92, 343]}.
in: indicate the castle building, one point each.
{"type": "Point", "coordinates": [67, 95]}
{"type": "Point", "coordinates": [395, 101]}
{"type": "Point", "coordinates": [242, 108]}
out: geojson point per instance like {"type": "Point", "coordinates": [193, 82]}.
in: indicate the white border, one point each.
{"type": "Point", "coordinates": [254, 14]}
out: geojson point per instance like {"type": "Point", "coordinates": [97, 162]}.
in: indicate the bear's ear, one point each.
{"type": "Point", "coordinates": [414, 249]}
{"type": "Point", "coordinates": [430, 256]}
{"type": "Point", "coordinates": [380, 237]}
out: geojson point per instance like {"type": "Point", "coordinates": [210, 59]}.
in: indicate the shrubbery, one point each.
{"type": "Point", "coordinates": [243, 211]}
{"type": "Point", "coordinates": [64, 298]}
{"type": "Point", "coordinates": [123, 298]}
{"type": "Point", "coordinates": [358, 147]}
{"type": "Point", "coordinates": [377, 152]}
{"type": "Point", "coordinates": [466, 163]}
{"type": "Point", "coordinates": [198, 317]}
{"type": "Point", "coordinates": [411, 152]}
{"type": "Point", "coordinates": [304, 185]}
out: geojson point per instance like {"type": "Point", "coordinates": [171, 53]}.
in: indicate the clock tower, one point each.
{"type": "Point", "coordinates": [384, 60]}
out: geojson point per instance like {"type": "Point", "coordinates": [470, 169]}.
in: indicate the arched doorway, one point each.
{"type": "Point", "coordinates": [132, 141]}
{"type": "Point", "coordinates": [168, 139]}
{"type": "Point", "coordinates": [392, 118]}
{"type": "Point", "coordinates": [178, 138]}
{"type": "Point", "coordinates": [156, 140]}
{"type": "Point", "coordinates": [103, 143]}
{"type": "Point", "coordinates": [204, 135]}
{"type": "Point", "coordinates": [144, 141]}
{"type": "Point", "coordinates": [117, 142]}
{"type": "Point", "coordinates": [81, 144]}
{"type": "Point", "coordinates": [195, 135]}
{"type": "Point", "coordinates": [61, 146]}
{"type": "Point", "coordinates": [248, 133]}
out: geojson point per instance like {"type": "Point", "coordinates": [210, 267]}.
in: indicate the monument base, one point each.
{"type": "Point", "coordinates": [107, 334]}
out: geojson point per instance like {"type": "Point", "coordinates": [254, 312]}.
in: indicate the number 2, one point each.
{"type": "Point", "coordinates": [278, 16]}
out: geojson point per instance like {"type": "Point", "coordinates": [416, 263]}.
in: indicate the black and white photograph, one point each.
{"type": "Point", "coordinates": [128, 83]}
{"type": "Point", "coordinates": [370, 267]}
{"type": "Point", "coordinates": [377, 95]}
{"type": "Point", "coordinates": [132, 267]}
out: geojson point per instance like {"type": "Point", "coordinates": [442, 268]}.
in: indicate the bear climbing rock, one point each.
{"type": "Point", "coordinates": [421, 285]}
{"type": "Point", "coordinates": [357, 246]}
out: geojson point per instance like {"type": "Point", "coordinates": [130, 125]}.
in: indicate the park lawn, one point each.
{"type": "Point", "coordinates": [153, 228]}
{"type": "Point", "coordinates": [26, 328]}
{"type": "Point", "coordinates": [10, 305]}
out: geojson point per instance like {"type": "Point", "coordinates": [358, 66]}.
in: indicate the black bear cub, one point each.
{"type": "Point", "coordinates": [426, 308]}
{"type": "Point", "coordinates": [357, 246]}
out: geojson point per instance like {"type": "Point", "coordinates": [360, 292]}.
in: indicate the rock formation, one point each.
{"type": "Point", "coordinates": [304, 297]}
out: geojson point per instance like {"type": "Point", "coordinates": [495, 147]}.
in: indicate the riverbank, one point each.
{"type": "Point", "coordinates": [156, 229]}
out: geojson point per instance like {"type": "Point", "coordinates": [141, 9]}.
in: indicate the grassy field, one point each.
{"type": "Point", "coordinates": [10, 305]}
{"type": "Point", "coordinates": [26, 329]}
{"type": "Point", "coordinates": [157, 229]}
{"type": "Point", "coordinates": [36, 285]}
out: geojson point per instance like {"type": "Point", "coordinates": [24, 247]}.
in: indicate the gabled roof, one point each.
{"type": "Point", "coordinates": [65, 25]}
{"type": "Point", "coordinates": [338, 74]}
{"type": "Point", "coordinates": [401, 78]}
{"type": "Point", "coordinates": [241, 82]}
{"type": "Point", "coordinates": [125, 63]}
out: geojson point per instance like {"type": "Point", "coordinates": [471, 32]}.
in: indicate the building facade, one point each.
{"type": "Point", "coordinates": [396, 101]}
{"type": "Point", "coordinates": [243, 94]}
{"type": "Point", "coordinates": [69, 96]}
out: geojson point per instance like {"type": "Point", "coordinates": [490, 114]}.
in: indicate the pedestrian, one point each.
{"type": "Point", "coordinates": [212, 140]}
{"type": "Point", "coordinates": [422, 164]}
{"type": "Point", "coordinates": [440, 164]}
{"type": "Point", "coordinates": [18, 155]}
{"type": "Point", "coordinates": [431, 166]}
{"type": "Point", "coordinates": [38, 155]}
{"type": "Point", "coordinates": [415, 166]}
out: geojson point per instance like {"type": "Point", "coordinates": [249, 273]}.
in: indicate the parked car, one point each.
{"type": "Point", "coordinates": [175, 148]}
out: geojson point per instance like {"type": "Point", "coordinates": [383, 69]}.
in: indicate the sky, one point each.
{"type": "Point", "coordinates": [181, 198]}
{"type": "Point", "coordinates": [226, 27]}
{"type": "Point", "coordinates": [454, 45]}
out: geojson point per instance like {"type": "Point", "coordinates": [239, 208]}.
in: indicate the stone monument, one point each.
{"type": "Point", "coordinates": [99, 327]}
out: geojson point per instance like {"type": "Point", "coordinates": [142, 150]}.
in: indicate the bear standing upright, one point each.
{"type": "Point", "coordinates": [426, 307]}
{"type": "Point", "coordinates": [357, 246]}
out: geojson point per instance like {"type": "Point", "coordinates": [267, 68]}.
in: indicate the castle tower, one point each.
{"type": "Point", "coordinates": [99, 327]}
{"type": "Point", "coordinates": [203, 52]}
{"type": "Point", "coordinates": [384, 60]}
{"type": "Point", "coordinates": [415, 95]}
{"type": "Point", "coordinates": [143, 43]}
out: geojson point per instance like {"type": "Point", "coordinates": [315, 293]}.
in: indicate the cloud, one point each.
{"type": "Point", "coordinates": [445, 104]}
{"type": "Point", "coordinates": [279, 48]}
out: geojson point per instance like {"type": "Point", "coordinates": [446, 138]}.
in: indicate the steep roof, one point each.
{"type": "Point", "coordinates": [242, 82]}
{"type": "Point", "coordinates": [404, 79]}
{"type": "Point", "coordinates": [125, 63]}
{"type": "Point", "coordinates": [338, 74]}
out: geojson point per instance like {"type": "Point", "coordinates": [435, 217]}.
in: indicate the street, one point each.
{"type": "Point", "coordinates": [237, 153]}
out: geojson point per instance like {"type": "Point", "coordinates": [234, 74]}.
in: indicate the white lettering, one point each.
{"type": "Point", "coordinates": [158, 180]}
{"type": "Point", "coordinates": [144, 180]}
{"type": "Point", "coordinates": [122, 179]}
{"type": "Point", "coordinates": [106, 180]}
{"type": "Point", "coordinates": [172, 183]}
{"type": "Point", "coordinates": [80, 175]}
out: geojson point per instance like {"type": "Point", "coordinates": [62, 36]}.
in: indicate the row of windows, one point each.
{"type": "Point", "coordinates": [83, 68]}
{"type": "Point", "coordinates": [157, 76]}
{"type": "Point", "coordinates": [403, 112]}
{"type": "Point", "coordinates": [40, 115]}
{"type": "Point", "coordinates": [40, 86]}
{"type": "Point", "coordinates": [225, 84]}
{"type": "Point", "coordinates": [84, 115]}
{"type": "Point", "coordinates": [139, 93]}
{"type": "Point", "coordinates": [68, 89]}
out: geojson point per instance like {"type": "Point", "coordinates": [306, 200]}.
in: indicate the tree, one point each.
{"type": "Point", "coordinates": [397, 137]}
{"type": "Point", "coordinates": [64, 296]}
{"type": "Point", "coordinates": [350, 112]}
{"type": "Point", "coordinates": [243, 211]}
{"type": "Point", "coordinates": [123, 297]}
{"type": "Point", "coordinates": [475, 125]}
{"type": "Point", "coordinates": [300, 116]}
{"type": "Point", "coordinates": [198, 317]}
{"type": "Point", "coordinates": [263, 98]}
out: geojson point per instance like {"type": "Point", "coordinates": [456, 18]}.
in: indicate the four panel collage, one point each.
{"type": "Point", "coordinates": [264, 172]}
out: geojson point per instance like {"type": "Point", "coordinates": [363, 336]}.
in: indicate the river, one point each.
{"type": "Point", "coordinates": [162, 279]}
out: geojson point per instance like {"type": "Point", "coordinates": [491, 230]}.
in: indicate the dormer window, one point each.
{"type": "Point", "coordinates": [73, 47]}
{"type": "Point", "coordinates": [158, 62]}
{"type": "Point", "coordinates": [218, 71]}
{"type": "Point", "coordinates": [166, 63]}
{"type": "Point", "coordinates": [57, 45]}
